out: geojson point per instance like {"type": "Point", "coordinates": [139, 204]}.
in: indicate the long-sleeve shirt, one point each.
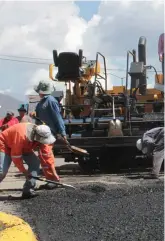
{"type": "Point", "coordinates": [154, 139]}
{"type": "Point", "coordinates": [48, 111]}
{"type": "Point", "coordinates": [161, 45]}
{"type": "Point", "coordinates": [7, 122]}
{"type": "Point", "coordinates": [15, 142]}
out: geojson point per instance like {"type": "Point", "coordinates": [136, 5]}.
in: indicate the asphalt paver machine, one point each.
{"type": "Point", "coordinates": [106, 124]}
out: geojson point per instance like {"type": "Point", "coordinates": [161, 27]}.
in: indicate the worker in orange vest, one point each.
{"type": "Point", "coordinates": [18, 143]}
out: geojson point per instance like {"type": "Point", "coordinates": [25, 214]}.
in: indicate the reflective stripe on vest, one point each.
{"type": "Point", "coordinates": [16, 156]}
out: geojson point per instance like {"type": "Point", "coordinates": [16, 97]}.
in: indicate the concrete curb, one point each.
{"type": "Point", "coordinates": [14, 228]}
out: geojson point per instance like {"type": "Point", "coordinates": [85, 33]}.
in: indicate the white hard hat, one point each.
{"type": "Point", "coordinates": [44, 135]}
{"type": "Point", "coordinates": [44, 87]}
{"type": "Point", "coordinates": [139, 144]}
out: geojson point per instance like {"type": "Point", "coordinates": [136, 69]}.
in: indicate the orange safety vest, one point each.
{"type": "Point", "coordinates": [14, 142]}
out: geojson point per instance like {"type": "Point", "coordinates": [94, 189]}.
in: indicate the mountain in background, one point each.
{"type": "Point", "coordinates": [8, 103]}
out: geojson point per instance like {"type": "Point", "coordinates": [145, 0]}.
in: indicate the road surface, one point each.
{"type": "Point", "coordinates": [103, 208]}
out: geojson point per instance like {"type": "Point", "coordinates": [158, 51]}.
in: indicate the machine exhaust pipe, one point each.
{"type": "Point", "coordinates": [142, 58]}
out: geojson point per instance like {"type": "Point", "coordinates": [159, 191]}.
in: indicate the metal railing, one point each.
{"type": "Point", "coordinates": [95, 81]}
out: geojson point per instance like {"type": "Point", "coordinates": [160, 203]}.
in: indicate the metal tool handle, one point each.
{"type": "Point", "coordinates": [52, 182]}
{"type": "Point", "coordinates": [113, 107]}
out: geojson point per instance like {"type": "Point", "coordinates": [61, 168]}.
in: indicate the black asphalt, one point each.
{"type": "Point", "coordinates": [97, 212]}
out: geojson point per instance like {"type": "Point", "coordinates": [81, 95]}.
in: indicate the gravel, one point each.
{"type": "Point", "coordinates": [97, 212]}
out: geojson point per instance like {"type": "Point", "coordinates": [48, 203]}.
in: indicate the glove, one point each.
{"type": "Point", "coordinates": [32, 114]}
{"type": "Point", "coordinates": [63, 138]}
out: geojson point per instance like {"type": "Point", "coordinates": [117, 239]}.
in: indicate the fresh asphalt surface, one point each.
{"type": "Point", "coordinates": [102, 208]}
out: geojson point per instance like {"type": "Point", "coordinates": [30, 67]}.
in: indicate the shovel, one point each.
{"type": "Point", "coordinates": [53, 182]}
{"type": "Point", "coordinates": [73, 149]}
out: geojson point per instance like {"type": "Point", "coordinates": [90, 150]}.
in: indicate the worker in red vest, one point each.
{"type": "Point", "coordinates": [8, 121]}
{"type": "Point", "coordinates": [18, 143]}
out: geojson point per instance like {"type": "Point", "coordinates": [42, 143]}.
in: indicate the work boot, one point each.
{"type": "Point", "coordinates": [152, 176]}
{"type": "Point", "coordinates": [30, 194]}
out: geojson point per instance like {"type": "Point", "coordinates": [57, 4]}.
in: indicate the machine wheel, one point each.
{"type": "Point", "coordinates": [55, 57]}
{"type": "Point", "coordinates": [80, 57]}
{"type": "Point", "coordinates": [88, 165]}
{"type": "Point", "coordinates": [115, 159]}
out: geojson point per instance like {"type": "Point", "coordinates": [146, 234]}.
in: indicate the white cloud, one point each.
{"type": "Point", "coordinates": [6, 91]}
{"type": "Point", "coordinates": [34, 29]}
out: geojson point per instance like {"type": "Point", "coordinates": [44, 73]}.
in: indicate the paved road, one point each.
{"type": "Point", "coordinates": [102, 208]}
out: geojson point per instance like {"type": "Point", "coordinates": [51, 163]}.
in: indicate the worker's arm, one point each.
{"type": "Point", "coordinates": [57, 118]}
{"type": "Point", "coordinates": [47, 158]}
{"type": "Point", "coordinates": [147, 144]}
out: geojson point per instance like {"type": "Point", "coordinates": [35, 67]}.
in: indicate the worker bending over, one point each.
{"type": "Point", "coordinates": [152, 144]}
{"type": "Point", "coordinates": [8, 121]}
{"type": "Point", "coordinates": [18, 143]}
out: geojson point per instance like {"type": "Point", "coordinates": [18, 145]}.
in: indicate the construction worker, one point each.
{"type": "Point", "coordinates": [8, 121]}
{"type": "Point", "coordinates": [48, 111]}
{"type": "Point", "coordinates": [18, 143]}
{"type": "Point", "coordinates": [23, 117]}
{"type": "Point", "coordinates": [152, 144]}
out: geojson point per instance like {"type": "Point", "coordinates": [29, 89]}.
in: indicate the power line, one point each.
{"type": "Point", "coordinates": [116, 76]}
{"type": "Point", "coordinates": [23, 61]}
{"type": "Point", "coordinates": [34, 62]}
{"type": "Point", "coordinates": [124, 70]}
{"type": "Point", "coordinates": [19, 57]}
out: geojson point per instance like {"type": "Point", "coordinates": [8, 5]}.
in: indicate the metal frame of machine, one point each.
{"type": "Point", "coordinates": [96, 132]}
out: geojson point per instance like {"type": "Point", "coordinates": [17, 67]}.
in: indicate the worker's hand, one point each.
{"type": "Point", "coordinates": [65, 139]}
{"type": "Point", "coordinates": [32, 114]}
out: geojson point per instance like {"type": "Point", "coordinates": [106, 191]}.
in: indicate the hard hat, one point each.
{"type": "Point", "coordinates": [139, 144]}
{"type": "Point", "coordinates": [44, 87]}
{"type": "Point", "coordinates": [22, 107]}
{"type": "Point", "coordinates": [10, 113]}
{"type": "Point", "coordinates": [44, 135]}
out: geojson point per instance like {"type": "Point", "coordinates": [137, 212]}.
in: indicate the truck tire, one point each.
{"type": "Point", "coordinates": [55, 58]}
{"type": "Point", "coordinates": [87, 166]}
{"type": "Point", "coordinates": [80, 57]}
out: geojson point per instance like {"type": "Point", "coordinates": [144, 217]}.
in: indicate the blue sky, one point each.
{"type": "Point", "coordinates": [88, 8]}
